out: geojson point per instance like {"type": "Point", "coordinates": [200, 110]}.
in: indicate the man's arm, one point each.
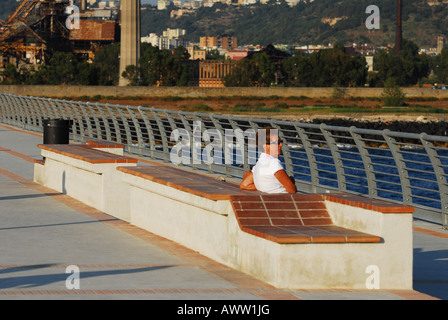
{"type": "Point", "coordinates": [283, 178]}
{"type": "Point", "coordinates": [248, 181]}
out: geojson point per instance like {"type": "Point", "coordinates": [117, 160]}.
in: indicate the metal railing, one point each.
{"type": "Point", "coordinates": [405, 168]}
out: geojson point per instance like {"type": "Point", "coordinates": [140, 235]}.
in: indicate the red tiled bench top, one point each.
{"type": "Point", "coordinates": [191, 182]}
{"type": "Point", "coordinates": [103, 144]}
{"type": "Point", "coordinates": [368, 203]}
{"type": "Point", "coordinates": [81, 152]}
{"type": "Point", "coordinates": [296, 218]}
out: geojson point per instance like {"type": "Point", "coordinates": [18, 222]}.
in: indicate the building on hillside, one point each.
{"type": "Point", "coordinates": [174, 33]}
{"type": "Point", "coordinates": [196, 54]}
{"type": "Point", "coordinates": [440, 44]}
{"type": "Point", "coordinates": [208, 42]}
{"type": "Point", "coordinates": [224, 42]}
{"type": "Point", "coordinates": [236, 54]}
{"type": "Point", "coordinates": [168, 44]}
{"type": "Point", "coordinates": [152, 38]}
{"type": "Point", "coordinates": [170, 39]}
{"type": "Point", "coordinates": [174, 14]}
{"type": "Point", "coordinates": [162, 4]}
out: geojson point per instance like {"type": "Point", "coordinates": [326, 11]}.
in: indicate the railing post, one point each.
{"type": "Point", "coordinates": [87, 120]}
{"type": "Point", "coordinates": [152, 144]}
{"type": "Point", "coordinates": [16, 113]}
{"type": "Point", "coordinates": [220, 129]}
{"type": "Point", "coordinates": [314, 173]}
{"type": "Point", "coordinates": [401, 167]}
{"type": "Point", "coordinates": [440, 174]}
{"type": "Point", "coordinates": [77, 114]}
{"type": "Point", "coordinates": [339, 166]}
{"type": "Point", "coordinates": [163, 135]}
{"type": "Point", "coordinates": [193, 137]}
{"type": "Point", "coordinates": [105, 121]}
{"type": "Point", "coordinates": [366, 161]}
{"type": "Point", "coordinates": [115, 123]}
{"type": "Point", "coordinates": [126, 127]}
{"type": "Point", "coordinates": [96, 120]}
{"type": "Point", "coordinates": [2, 108]}
{"type": "Point", "coordinates": [138, 131]}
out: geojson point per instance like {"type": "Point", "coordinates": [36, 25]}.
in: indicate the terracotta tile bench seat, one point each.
{"type": "Point", "coordinates": [282, 218]}
{"type": "Point", "coordinates": [191, 182]}
{"type": "Point", "coordinates": [82, 152]}
{"type": "Point", "coordinates": [296, 218]}
{"type": "Point", "coordinates": [103, 144]}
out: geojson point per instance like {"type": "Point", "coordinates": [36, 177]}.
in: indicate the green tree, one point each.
{"type": "Point", "coordinates": [326, 68]}
{"type": "Point", "coordinates": [132, 74]}
{"type": "Point", "coordinates": [107, 64]}
{"type": "Point", "coordinates": [163, 67]}
{"type": "Point", "coordinates": [11, 75]}
{"type": "Point", "coordinates": [259, 71]}
{"type": "Point", "coordinates": [407, 67]}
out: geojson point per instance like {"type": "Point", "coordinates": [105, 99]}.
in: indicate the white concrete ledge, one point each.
{"type": "Point", "coordinates": [212, 228]}
{"type": "Point", "coordinates": [96, 184]}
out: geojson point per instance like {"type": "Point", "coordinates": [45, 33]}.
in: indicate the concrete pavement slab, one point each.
{"type": "Point", "coordinates": [42, 232]}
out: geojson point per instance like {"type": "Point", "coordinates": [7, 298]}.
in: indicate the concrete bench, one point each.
{"type": "Point", "coordinates": [86, 174]}
{"type": "Point", "coordinates": [299, 241]}
{"type": "Point", "coordinates": [304, 241]}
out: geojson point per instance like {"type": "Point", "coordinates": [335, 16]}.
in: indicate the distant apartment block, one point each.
{"type": "Point", "coordinates": [162, 4]}
{"type": "Point", "coordinates": [224, 42]}
{"type": "Point", "coordinates": [174, 33]}
{"type": "Point", "coordinates": [170, 39]}
{"type": "Point", "coordinates": [168, 44]}
{"type": "Point", "coordinates": [164, 42]}
{"type": "Point", "coordinates": [153, 39]}
{"type": "Point", "coordinates": [208, 42]}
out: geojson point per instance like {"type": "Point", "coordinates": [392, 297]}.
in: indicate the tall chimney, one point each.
{"type": "Point", "coordinates": [399, 31]}
{"type": "Point", "coordinates": [130, 36]}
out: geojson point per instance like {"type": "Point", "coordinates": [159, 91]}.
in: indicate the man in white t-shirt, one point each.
{"type": "Point", "coordinates": [268, 174]}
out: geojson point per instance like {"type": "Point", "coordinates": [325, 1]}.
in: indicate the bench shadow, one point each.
{"type": "Point", "coordinates": [431, 272]}
{"type": "Point", "coordinates": [32, 281]}
{"type": "Point", "coordinates": [29, 196]}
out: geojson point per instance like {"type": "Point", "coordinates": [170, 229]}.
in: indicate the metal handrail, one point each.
{"type": "Point", "coordinates": [405, 168]}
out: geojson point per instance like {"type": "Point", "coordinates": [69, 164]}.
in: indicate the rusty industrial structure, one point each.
{"type": "Point", "coordinates": [38, 28]}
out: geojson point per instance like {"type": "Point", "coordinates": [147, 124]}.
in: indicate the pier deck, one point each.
{"type": "Point", "coordinates": [43, 232]}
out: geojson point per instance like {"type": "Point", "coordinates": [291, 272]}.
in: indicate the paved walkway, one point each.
{"type": "Point", "coordinates": [44, 233]}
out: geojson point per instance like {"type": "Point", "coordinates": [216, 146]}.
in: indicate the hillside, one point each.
{"type": "Point", "coordinates": [317, 22]}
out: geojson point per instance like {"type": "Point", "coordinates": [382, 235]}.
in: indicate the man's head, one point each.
{"type": "Point", "coordinates": [269, 139]}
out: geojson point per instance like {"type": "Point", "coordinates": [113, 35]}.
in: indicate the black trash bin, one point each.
{"type": "Point", "coordinates": [56, 131]}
